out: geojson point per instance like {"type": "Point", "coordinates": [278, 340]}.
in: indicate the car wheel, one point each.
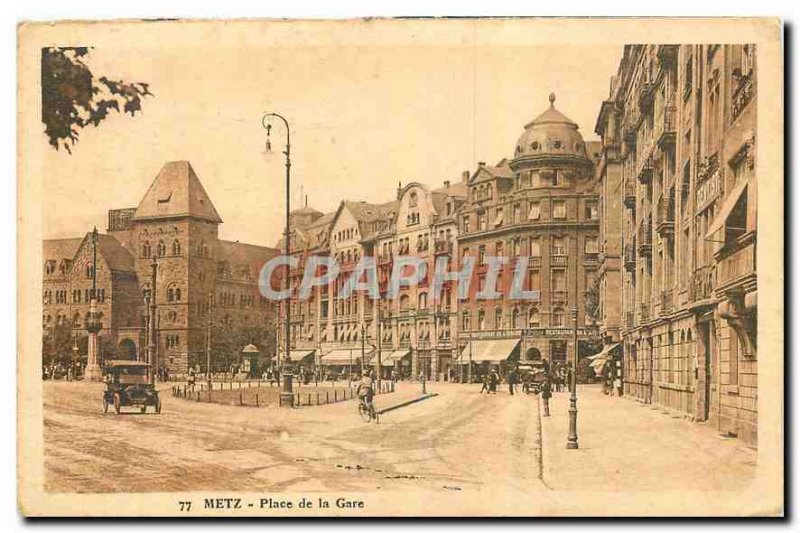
{"type": "Point", "coordinates": [105, 404]}
{"type": "Point", "coordinates": [158, 405]}
{"type": "Point", "coordinates": [117, 402]}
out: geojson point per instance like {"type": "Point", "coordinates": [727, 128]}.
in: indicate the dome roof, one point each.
{"type": "Point", "coordinates": [551, 133]}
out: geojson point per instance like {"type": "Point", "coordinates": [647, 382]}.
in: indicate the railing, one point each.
{"type": "Point", "coordinates": [630, 194]}
{"type": "Point", "coordinates": [665, 215]}
{"type": "Point", "coordinates": [443, 247]}
{"type": "Point", "coordinates": [742, 94]}
{"type": "Point", "coordinates": [645, 173]}
{"type": "Point", "coordinates": [629, 319]}
{"type": "Point", "coordinates": [666, 126]}
{"type": "Point", "coordinates": [735, 265]}
{"type": "Point", "coordinates": [644, 312]}
{"type": "Point", "coordinates": [701, 283]}
{"type": "Point", "coordinates": [558, 296]}
{"type": "Point", "coordinates": [558, 260]}
{"type": "Point", "coordinates": [666, 302]}
{"type": "Point", "coordinates": [630, 256]}
{"type": "Point", "coordinates": [645, 239]}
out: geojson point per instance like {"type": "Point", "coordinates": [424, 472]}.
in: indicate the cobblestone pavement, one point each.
{"type": "Point", "coordinates": [457, 441]}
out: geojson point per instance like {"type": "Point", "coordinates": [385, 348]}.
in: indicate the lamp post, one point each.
{"type": "Point", "coordinates": [208, 341]}
{"type": "Point", "coordinates": [287, 396]}
{"type": "Point", "coordinates": [151, 344]}
{"type": "Point", "coordinates": [363, 361]}
{"type": "Point", "coordinates": [572, 436]}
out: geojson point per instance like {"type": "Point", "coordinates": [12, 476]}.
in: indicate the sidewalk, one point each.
{"type": "Point", "coordinates": [626, 445]}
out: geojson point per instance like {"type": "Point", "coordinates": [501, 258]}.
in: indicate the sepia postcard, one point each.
{"type": "Point", "coordinates": [401, 268]}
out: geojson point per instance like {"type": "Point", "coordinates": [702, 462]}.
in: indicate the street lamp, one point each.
{"type": "Point", "coordinates": [287, 396]}
{"type": "Point", "coordinates": [572, 436]}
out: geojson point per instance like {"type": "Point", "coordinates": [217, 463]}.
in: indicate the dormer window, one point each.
{"type": "Point", "coordinates": [49, 267]}
{"type": "Point", "coordinates": [412, 200]}
{"type": "Point", "coordinates": [535, 145]}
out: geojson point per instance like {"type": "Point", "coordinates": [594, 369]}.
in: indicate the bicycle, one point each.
{"type": "Point", "coordinates": [367, 411]}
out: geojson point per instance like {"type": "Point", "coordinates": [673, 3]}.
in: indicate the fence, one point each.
{"type": "Point", "coordinates": [263, 393]}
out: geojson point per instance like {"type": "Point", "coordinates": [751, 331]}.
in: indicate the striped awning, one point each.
{"type": "Point", "coordinates": [344, 356]}
{"type": "Point", "coordinates": [389, 359]}
{"type": "Point", "coordinates": [298, 355]}
{"type": "Point", "coordinates": [488, 350]}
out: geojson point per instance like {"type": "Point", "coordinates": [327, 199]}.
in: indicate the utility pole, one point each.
{"type": "Point", "coordinates": [572, 437]}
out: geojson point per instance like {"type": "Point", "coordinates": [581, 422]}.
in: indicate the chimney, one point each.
{"type": "Point", "coordinates": [465, 176]}
{"type": "Point", "coordinates": [446, 183]}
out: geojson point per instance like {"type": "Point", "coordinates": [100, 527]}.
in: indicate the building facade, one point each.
{"type": "Point", "coordinates": [541, 205]}
{"type": "Point", "coordinates": [203, 283]}
{"type": "Point", "coordinates": [679, 141]}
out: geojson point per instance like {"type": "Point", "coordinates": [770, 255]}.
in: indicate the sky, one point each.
{"type": "Point", "coordinates": [368, 107]}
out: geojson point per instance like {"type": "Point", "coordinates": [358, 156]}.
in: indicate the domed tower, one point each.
{"type": "Point", "coordinates": [556, 223]}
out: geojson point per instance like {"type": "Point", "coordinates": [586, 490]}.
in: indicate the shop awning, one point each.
{"type": "Point", "coordinates": [298, 355]}
{"type": "Point", "coordinates": [725, 210]}
{"type": "Point", "coordinates": [389, 359]}
{"type": "Point", "coordinates": [344, 356]}
{"type": "Point", "coordinates": [484, 350]}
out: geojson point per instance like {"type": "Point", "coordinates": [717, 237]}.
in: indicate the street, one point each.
{"type": "Point", "coordinates": [458, 440]}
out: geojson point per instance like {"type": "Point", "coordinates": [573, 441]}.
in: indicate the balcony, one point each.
{"type": "Point", "coordinates": [742, 93]}
{"type": "Point", "coordinates": [630, 257]}
{"type": "Point", "coordinates": [645, 240]}
{"type": "Point", "coordinates": [736, 267]}
{"type": "Point", "coordinates": [647, 94]}
{"type": "Point", "coordinates": [665, 216]}
{"type": "Point", "coordinates": [702, 283]}
{"type": "Point", "coordinates": [645, 173]}
{"type": "Point", "coordinates": [591, 258]}
{"type": "Point", "coordinates": [559, 297]}
{"type": "Point", "coordinates": [667, 56]}
{"type": "Point", "coordinates": [630, 194]}
{"type": "Point", "coordinates": [442, 247]}
{"type": "Point", "coordinates": [667, 303]}
{"type": "Point", "coordinates": [558, 260]}
{"type": "Point", "coordinates": [644, 312]}
{"type": "Point", "coordinates": [534, 261]}
{"type": "Point", "coordinates": [666, 127]}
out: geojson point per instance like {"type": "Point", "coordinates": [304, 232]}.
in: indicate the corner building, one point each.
{"type": "Point", "coordinates": [541, 204]}
{"type": "Point", "coordinates": [679, 142]}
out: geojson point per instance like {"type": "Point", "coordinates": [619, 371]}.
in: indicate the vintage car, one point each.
{"type": "Point", "coordinates": [127, 384]}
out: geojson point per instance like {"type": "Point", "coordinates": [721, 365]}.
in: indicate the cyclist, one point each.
{"type": "Point", "coordinates": [365, 391]}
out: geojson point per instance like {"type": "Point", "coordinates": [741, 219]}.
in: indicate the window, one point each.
{"type": "Point", "coordinates": [590, 246]}
{"type": "Point", "coordinates": [536, 180]}
{"type": "Point", "coordinates": [515, 318]}
{"type": "Point", "coordinates": [498, 219]}
{"type": "Point", "coordinates": [559, 209]}
{"type": "Point", "coordinates": [559, 246]}
{"type": "Point", "coordinates": [412, 199]}
{"type": "Point", "coordinates": [89, 270]}
{"type": "Point", "coordinates": [590, 211]}
{"type": "Point", "coordinates": [146, 252]}
{"type": "Point", "coordinates": [535, 249]}
{"type": "Point", "coordinates": [535, 211]}
{"type": "Point", "coordinates": [558, 317]}
{"type": "Point", "coordinates": [535, 280]}
{"type": "Point", "coordinates": [404, 302]}
{"type": "Point", "coordinates": [173, 293]}
{"type": "Point", "coordinates": [687, 79]}
{"type": "Point", "coordinates": [465, 321]}
{"type": "Point", "coordinates": [533, 317]}
{"type": "Point", "coordinates": [176, 247]}
{"type": "Point", "coordinates": [49, 267]}
{"type": "Point", "coordinates": [482, 221]}
{"type": "Point", "coordinates": [498, 249]}
{"type": "Point", "coordinates": [498, 317]}
{"type": "Point", "coordinates": [47, 297]}
{"type": "Point", "coordinates": [161, 249]}
{"type": "Point", "coordinates": [517, 214]}
{"type": "Point", "coordinates": [423, 300]}
{"type": "Point", "coordinates": [482, 254]}
{"type": "Point", "coordinates": [481, 319]}
{"type": "Point", "coordinates": [465, 223]}
{"type": "Point", "coordinates": [558, 279]}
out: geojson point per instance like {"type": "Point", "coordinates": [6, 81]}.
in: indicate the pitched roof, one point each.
{"type": "Point", "coordinates": [239, 253]}
{"type": "Point", "coordinates": [58, 249]}
{"type": "Point", "coordinates": [116, 256]}
{"type": "Point", "coordinates": [176, 192]}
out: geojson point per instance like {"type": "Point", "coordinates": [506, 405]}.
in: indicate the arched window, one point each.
{"type": "Point", "coordinates": [176, 247]}
{"type": "Point", "coordinates": [146, 251]}
{"type": "Point", "coordinates": [412, 199]}
{"type": "Point", "coordinates": [558, 317]}
{"type": "Point", "coordinates": [89, 270]}
{"type": "Point", "coordinates": [533, 317]}
{"type": "Point", "coordinates": [161, 249]}
{"type": "Point", "coordinates": [173, 293]}
{"type": "Point", "coordinates": [423, 300]}
{"type": "Point", "coordinates": [481, 319]}
{"type": "Point", "coordinates": [498, 317]}
{"type": "Point", "coordinates": [515, 318]}
{"type": "Point", "coordinates": [404, 299]}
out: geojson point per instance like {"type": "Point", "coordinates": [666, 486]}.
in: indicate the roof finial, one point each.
{"type": "Point", "coordinates": [552, 99]}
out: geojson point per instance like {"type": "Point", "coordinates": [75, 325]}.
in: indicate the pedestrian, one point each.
{"type": "Point", "coordinates": [512, 381]}
{"type": "Point", "coordinates": [494, 379]}
{"type": "Point", "coordinates": [546, 395]}
{"type": "Point", "coordinates": [485, 384]}
{"type": "Point", "coordinates": [191, 378]}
